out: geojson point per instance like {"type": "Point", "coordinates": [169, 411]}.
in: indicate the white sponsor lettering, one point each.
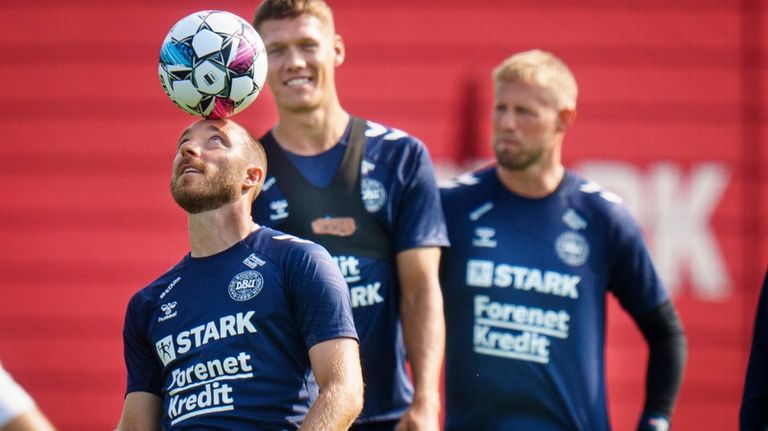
{"type": "Point", "coordinates": [520, 317]}
{"type": "Point", "coordinates": [349, 267]}
{"type": "Point", "coordinates": [676, 213]}
{"type": "Point", "coordinates": [363, 296]}
{"type": "Point", "coordinates": [516, 331]}
{"type": "Point", "coordinates": [170, 287]}
{"type": "Point", "coordinates": [232, 367]}
{"type": "Point", "coordinates": [268, 183]}
{"type": "Point", "coordinates": [573, 220]}
{"type": "Point", "coordinates": [526, 346]}
{"type": "Point", "coordinates": [485, 273]}
{"type": "Point", "coordinates": [480, 211]}
{"type": "Point", "coordinates": [253, 261]}
{"type": "Point", "coordinates": [226, 326]}
{"type": "Point", "coordinates": [214, 397]}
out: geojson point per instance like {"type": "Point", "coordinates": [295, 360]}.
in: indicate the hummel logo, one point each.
{"type": "Point", "coordinates": [167, 308]}
{"type": "Point", "coordinates": [484, 237]}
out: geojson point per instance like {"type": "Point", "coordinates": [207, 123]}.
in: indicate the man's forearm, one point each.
{"type": "Point", "coordinates": [665, 336]}
{"type": "Point", "coordinates": [335, 409]}
{"type": "Point", "coordinates": [424, 336]}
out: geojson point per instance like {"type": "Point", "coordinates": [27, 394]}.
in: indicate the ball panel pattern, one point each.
{"type": "Point", "coordinates": [212, 64]}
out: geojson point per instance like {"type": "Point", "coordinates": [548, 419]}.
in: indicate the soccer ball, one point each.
{"type": "Point", "coordinates": [212, 64]}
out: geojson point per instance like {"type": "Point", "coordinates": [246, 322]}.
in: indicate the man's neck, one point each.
{"type": "Point", "coordinates": [310, 133]}
{"type": "Point", "coordinates": [214, 231]}
{"type": "Point", "coordinates": [534, 182]}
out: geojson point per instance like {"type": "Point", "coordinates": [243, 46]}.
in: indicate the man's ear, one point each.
{"type": "Point", "coordinates": [339, 50]}
{"type": "Point", "coordinates": [565, 119]}
{"type": "Point", "coordinates": [254, 176]}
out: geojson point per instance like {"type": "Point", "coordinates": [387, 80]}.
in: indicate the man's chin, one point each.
{"type": "Point", "coordinates": [300, 106]}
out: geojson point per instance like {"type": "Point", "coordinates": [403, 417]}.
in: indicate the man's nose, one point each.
{"type": "Point", "coordinates": [294, 59]}
{"type": "Point", "coordinates": [189, 148]}
{"type": "Point", "coordinates": [506, 120]}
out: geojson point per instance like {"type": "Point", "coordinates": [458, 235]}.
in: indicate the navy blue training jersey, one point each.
{"type": "Point", "coordinates": [753, 414]}
{"type": "Point", "coordinates": [224, 339]}
{"type": "Point", "coordinates": [398, 191]}
{"type": "Point", "coordinates": [525, 284]}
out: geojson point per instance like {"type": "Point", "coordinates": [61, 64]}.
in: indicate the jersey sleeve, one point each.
{"type": "Point", "coordinates": [319, 296]}
{"type": "Point", "coordinates": [633, 278]}
{"type": "Point", "coordinates": [419, 219]}
{"type": "Point", "coordinates": [143, 367]}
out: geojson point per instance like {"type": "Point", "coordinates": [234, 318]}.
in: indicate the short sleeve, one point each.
{"type": "Point", "coordinates": [634, 280]}
{"type": "Point", "coordinates": [143, 367]}
{"type": "Point", "coordinates": [420, 221]}
{"type": "Point", "coordinates": [319, 296]}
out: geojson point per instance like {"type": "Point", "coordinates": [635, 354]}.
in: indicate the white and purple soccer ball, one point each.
{"type": "Point", "coordinates": [212, 64]}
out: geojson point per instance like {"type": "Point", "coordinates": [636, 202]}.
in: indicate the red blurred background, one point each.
{"type": "Point", "coordinates": [672, 116]}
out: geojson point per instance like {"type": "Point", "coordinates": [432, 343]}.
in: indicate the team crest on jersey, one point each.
{"type": "Point", "coordinates": [246, 285]}
{"type": "Point", "coordinates": [374, 194]}
{"type": "Point", "coordinates": [572, 248]}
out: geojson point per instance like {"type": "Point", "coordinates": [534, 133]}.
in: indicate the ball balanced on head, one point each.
{"type": "Point", "coordinates": [212, 64]}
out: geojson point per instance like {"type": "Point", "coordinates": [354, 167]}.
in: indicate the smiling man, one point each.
{"type": "Point", "coordinates": [367, 193]}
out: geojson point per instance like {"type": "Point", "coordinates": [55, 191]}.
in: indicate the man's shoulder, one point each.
{"type": "Point", "coordinates": [470, 194]}
{"type": "Point", "coordinates": [592, 198]}
{"type": "Point", "coordinates": [160, 287]}
{"type": "Point", "coordinates": [466, 184]}
{"type": "Point", "coordinates": [277, 245]}
{"type": "Point", "coordinates": [388, 138]}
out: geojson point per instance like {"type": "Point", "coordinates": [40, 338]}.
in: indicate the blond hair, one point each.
{"type": "Point", "coordinates": [541, 68]}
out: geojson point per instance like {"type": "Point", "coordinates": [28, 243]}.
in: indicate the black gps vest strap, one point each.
{"type": "Point", "coordinates": [341, 201]}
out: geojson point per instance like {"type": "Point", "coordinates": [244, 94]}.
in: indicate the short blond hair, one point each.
{"type": "Point", "coordinates": [541, 68]}
{"type": "Point", "coordinates": [289, 9]}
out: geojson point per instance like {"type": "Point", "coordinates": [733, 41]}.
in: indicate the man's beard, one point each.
{"type": "Point", "coordinates": [207, 195]}
{"type": "Point", "coordinates": [516, 162]}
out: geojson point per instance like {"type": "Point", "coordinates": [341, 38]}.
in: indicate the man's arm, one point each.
{"type": "Point", "coordinates": [336, 366]}
{"type": "Point", "coordinates": [142, 411]}
{"type": "Point", "coordinates": [421, 311]}
{"type": "Point", "coordinates": [33, 420]}
{"type": "Point", "coordinates": [667, 351]}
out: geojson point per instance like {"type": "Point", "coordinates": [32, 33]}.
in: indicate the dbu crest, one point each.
{"type": "Point", "coordinates": [246, 285]}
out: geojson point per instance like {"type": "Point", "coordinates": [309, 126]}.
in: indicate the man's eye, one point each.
{"type": "Point", "coordinates": [523, 111]}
